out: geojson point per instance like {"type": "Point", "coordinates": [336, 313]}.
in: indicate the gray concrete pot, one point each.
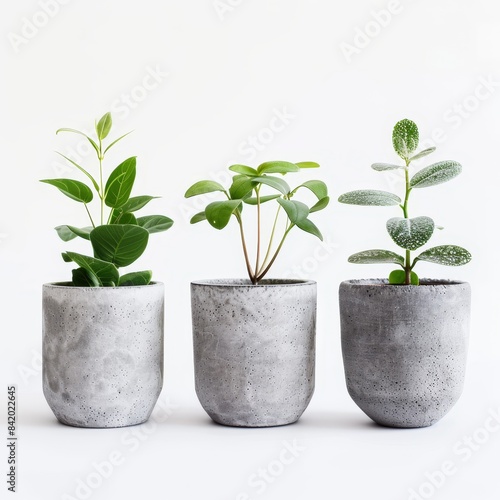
{"type": "Point", "coordinates": [405, 348]}
{"type": "Point", "coordinates": [102, 353]}
{"type": "Point", "coordinates": [254, 350]}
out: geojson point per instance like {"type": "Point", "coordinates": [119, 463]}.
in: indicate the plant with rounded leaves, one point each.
{"type": "Point", "coordinates": [247, 188]}
{"type": "Point", "coordinates": [121, 238]}
{"type": "Point", "coordinates": [408, 233]}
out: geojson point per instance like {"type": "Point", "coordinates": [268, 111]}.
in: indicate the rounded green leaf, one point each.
{"type": "Point", "coordinates": [295, 210]}
{"type": "Point", "coordinates": [120, 244]}
{"type": "Point", "coordinates": [136, 203]}
{"type": "Point", "coordinates": [155, 223]}
{"type": "Point", "coordinates": [435, 174]}
{"type": "Point", "coordinates": [447, 255]}
{"type": "Point", "coordinates": [307, 164]}
{"type": "Point", "coordinates": [382, 167]}
{"type": "Point", "coordinates": [241, 187]}
{"type": "Point", "coordinates": [81, 277]}
{"type": "Point", "coordinates": [75, 190]}
{"type": "Point", "coordinates": [376, 257]}
{"type": "Point", "coordinates": [262, 199]}
{"type": "Point", "coordinates": [104, 126]}
{"type": "Point", "coordinates": [309, 227]}
{"type": "Point", "coordinates": [200, 216]}
{"type": "Point", "coordinates": [67, 233]}
{"type": "Point", "coordinates": [423, 153]}
{"type": "Point", "coordinates": [139, 278]}
{"type": "Point", "coordinates": [219, 213]}
{"type": "Point", "coordinates": [120, 183]}
{"type": "Point", "coordinates": [405, 138]}
{"type": "Point", "coordinates": [319, 188]}
{"type": "Point", "coordinates": [277, 167]}
{"type": "Point", "coordinates": [410, 234]}
{"type": "Point", "coordinates": [398, 277]}
{"type": "Point", "coordinates": [243, 169]}
{"type": "Point", "coordinates": [105, 273]}
{"type": "Point", "coordinates": [274, 182]}
{"type": "Point", "coordinates": [124, 218]}
{"type": "Point", "coordinates": [203, 187]}
{"type": "Point", "coordinates": [370, 198]}
{"type": "Point", "coordinates": [320, 205]}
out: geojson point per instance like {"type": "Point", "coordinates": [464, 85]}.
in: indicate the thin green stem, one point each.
{"type": "Point", "coordinates": [251, 274]}
{"type": "Point", "coordinates": [101, 195]}
{"type": "Point", "coordinates": [408, 266]}
{"type": "Point", "coordinates": [271, 239]}
{"type": "Point", "coordinates": [263, 273]}
{"type": "Point", "coordinates": [257, 259]}
{"type": "Point", "coordinates": [90, 216]}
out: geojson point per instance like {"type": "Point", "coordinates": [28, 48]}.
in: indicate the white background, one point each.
{"type": "Point", "coordinates": [222, 74]}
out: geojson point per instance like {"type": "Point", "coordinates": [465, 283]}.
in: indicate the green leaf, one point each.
{"type": "Point", "coordinates": [74, 131]}
{"type": "Point", "coordinates": [263, 199]}
{"type": "Point", "coordinates": [367, 197]}
{"type": "Point", "coordinates": [105, 272]}
{"type": "Point", "coordinates": [139, 278]}
{"type": "Point", "coordinates": [136, 203]}
{"type": "Point", "coordinates": [94, 182]}
{"type": "Point", "coordinates": [155, 223]}
{"type": "Point", "coordinates": [203, 187]}
{"type": "Point", "coordinates": [75, 190]}
{"type": "Point", "coordinates": [381, 167]}
{"type": "Point", "coordinates": [435, 174]}
{"type": "Point", "coordinates": [295, 210]}
{"type": "Point", "coordinates": [120, 183]}
{"type": "Point", "coordinates": [200, 216]}
{"type": "Point", "coordinates": [309, 227]}
{"type": "Point", "coordinates": [377, 257]}
{"type": "Point", "coordinates": [410, 234]}
{"type": "Point", "coordinates": [447, 255]}
{"type": "Point", "coordinates": [219, 213]}
{"type": "Point", "coordinates": [317, 187]}
{"type": "Point", "coordinates": [274, 182]}
{"type": "Point", "coordinates": [398, 277]}
{"type": "Point", "coordinates": [241, 187]}
{"type": "Point", "coordinates": [81, 277]}
{"type": "Point", "coordinates": [115, 141]}
{"type": "Point", "coordinates": [405, 138]}
{"type": "Point", "coordinates": [243, 169]}
{"type": "Point", "coordinates": [65, 257]}
{"type": "Point", "coordinates": [423, 153]}
{"type": "Point", "coordinates": [123, 218]}
{"type": "Point", "coordinates": [307, 164]}
{"type": "Point", "coordinates": [104, 126]}
{"type": "Point", "coordinates": [120, 244]}
{"type": "Point", "coordinates": [277, 167]}
{"type": "Point", "coordinates": [320, 205]}
{"type": "Point", "coordinates": [68, 233]}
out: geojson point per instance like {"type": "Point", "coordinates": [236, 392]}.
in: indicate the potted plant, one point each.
{"type": "Point", "coordinates": [404, 339]}
{"type": "Point", "coordinates": [254, 339]}
{"type": "Point", "coordinates": [102, 331]}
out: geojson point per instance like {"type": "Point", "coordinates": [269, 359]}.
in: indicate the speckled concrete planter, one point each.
{"type": "Point", "coordinates": [254, 350]}
{"type": "Point", "coordinates": [102, 353]}
{"type": "Point", "coordinates": [405, 348]}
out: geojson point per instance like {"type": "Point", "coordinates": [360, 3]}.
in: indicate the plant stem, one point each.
{"type": "Point", "coordinates": [101, 195]}
{"type": "Point", "coordinates": [271, 239]}
{"type": "Point", "coordinates": [251, 275]}
{"type": "Point", "coordinates": [405, 212]}
{"type": "Point", "coordinates": [90, 216]}
{"type": "Point", "coordinates": [257, 260]}
{"type": "Point", "coordinates": [263, 273]}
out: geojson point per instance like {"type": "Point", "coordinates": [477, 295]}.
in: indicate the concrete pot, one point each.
{"type": "Point", "coordinates": [102, 353]}
{"type": "Point", "coordinates": [405, 348]}
{"type": "Point", "coordinates": [254, 350]}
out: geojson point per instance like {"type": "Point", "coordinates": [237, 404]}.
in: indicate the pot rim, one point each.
{"type": "Point", "coordinates": [384, 283]}
{"type": "Point", "coordinates": [242, 283]}
{"type": "Point", "coordinates": [67, 285]}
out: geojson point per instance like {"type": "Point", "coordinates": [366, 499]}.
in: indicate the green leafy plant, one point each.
{"type": "Point", "coordinates": [119, 238]}
{"type": "Point", "coordinates": [248, 188]}
{"type": "Point", "coordinates": [408, 233]}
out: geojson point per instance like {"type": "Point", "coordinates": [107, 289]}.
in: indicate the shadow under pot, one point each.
{"type": "Point", "coordinates": [254, 350]}
{"type": "Point", "coordinates": [405, 348]}
{"type": "Point", "coordinates": [102, 353]}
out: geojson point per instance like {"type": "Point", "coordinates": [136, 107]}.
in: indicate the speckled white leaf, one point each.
{"type": "Point", "coordinates": [405, 138]}
{"type": "Point", "coordinates": [376, 257]}
{"type": "Point", "coordinates": [381, 167]}
{"type": "Point", "coordinates": [447, 255]}
{"type": "Point", "coordinates": [410, 234]}
{"type": "Point", "coordinates": [370, 198]}
{"type": "Point", "coordinates": [435, 174]}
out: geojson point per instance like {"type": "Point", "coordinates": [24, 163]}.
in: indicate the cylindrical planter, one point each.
{"type": "Point", "coordinates": [254, 350]}
{"type": "Point", "coordinates": [102, 353]}
{"type": "Point", "coordinates": [405, 348]}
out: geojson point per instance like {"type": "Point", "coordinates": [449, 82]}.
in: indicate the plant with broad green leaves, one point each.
{"type": "Point", "coordinates": [118, 238]}
{"type": "Point", "coordinates": [247, 188]}
{"type": "Point", "coordinates": [408, 233]}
